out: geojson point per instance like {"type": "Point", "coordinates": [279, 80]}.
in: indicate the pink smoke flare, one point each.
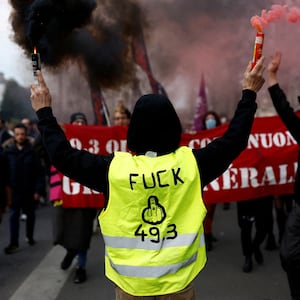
{"type": "Point", "coordinates": [293, 15]}
{"type": "Point", "coordinates": [275, 13]}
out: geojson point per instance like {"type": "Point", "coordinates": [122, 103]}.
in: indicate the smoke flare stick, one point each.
{"type": "Point", "coordinates": [36, 64]}
{"type": "Point", "coordinates": [258, 46]}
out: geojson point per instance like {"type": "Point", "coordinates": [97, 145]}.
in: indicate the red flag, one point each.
{"type": "Point", "coordinates": [100, 108]}
{"type": "Point", "coordinates": [201, 107]}
{"type": "Point", "coordinates": [141, 58]}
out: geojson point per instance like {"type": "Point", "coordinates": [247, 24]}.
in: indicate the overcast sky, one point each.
{"type": "Point", "coordinates": [12, 63]}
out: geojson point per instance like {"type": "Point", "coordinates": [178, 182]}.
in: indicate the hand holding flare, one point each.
{"type": "Point", "coordinates": [253, 78]}
{"type": "Point", "coordinates": [40, 95]}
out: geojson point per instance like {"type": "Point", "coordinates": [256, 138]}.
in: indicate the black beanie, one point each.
{"type": "Point", "coordinates": [78, 115]}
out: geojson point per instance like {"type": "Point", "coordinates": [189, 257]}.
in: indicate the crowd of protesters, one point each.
{"type": "Point", "coordinates": [47, 174]}
{"type": "Point", "coordinates": [27, 176]}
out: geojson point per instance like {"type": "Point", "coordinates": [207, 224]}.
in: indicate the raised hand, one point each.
{"type": "Point", "coordinates": [274, 62]}
{"type": "Point", "coordinates": [273, 68]}
{"type": "Point", "coordinates": [40, 95]}
{"type": "Point", "coordinates": [253, 78]}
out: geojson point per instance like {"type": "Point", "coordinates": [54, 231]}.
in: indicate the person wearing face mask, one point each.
{"type": "Point", "coordinates": [210, 120]}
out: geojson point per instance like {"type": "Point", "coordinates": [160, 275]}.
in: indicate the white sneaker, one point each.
{"type": "Point", "coordinates": [23, 217]}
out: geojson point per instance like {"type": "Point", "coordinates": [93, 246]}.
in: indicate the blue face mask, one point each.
{"type": "Point", "coordinates": [210, 123]}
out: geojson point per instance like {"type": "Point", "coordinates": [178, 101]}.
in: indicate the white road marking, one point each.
{"type": "Point", "coordinates": [46, 280]}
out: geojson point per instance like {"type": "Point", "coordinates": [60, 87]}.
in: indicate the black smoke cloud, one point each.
{"type": "Point", "coordinates": [184, 39]}
{"type": "Point", "coordinates": [94, 34]}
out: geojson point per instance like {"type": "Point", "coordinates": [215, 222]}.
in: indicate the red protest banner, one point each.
{"type": "Point", "coordinates": [266, 167]}
{"type": "Point", "coordinates": [97, 140]}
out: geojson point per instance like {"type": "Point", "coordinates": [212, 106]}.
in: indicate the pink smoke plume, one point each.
{"type": "Point", "coordinates": [291, 14]}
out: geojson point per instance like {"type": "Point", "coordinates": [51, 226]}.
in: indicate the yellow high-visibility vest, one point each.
{"type": "Point", "coordinates": [152, 226]}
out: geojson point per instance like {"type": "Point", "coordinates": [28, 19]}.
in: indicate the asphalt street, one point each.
{"type": "Point", "coordinates": [33, 272]}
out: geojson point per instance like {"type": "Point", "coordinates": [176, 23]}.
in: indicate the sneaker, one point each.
{"type": "Point", "coordinates": [67, 261]}
{"type": "Point", "coordinates": [80, 275]}
{"type": "Point", "coordinates": [23, 217]}
{"type": "Point", "coordinates": [10, 249]}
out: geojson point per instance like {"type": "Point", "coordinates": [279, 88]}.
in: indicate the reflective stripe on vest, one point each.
{"type": "Point", "coordinates": [152, 226]}
{"type": "Point", "coordinates": [136, 243]}
{"type": "Point", "coordinates": [152, 271]}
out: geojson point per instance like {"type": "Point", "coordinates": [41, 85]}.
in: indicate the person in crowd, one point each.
{"type": "Point", "coordinates": [3, 183]}
{"type": "Point", "coordinates": [224, 119]}
{"type": "Point", "coordinates": [290, 246]}
{"type": "Point", "coordinates": [283, 205]}
{"type": "Point", "coordinates": [4, 134]}
{"type": "Point", "coordinates": [154, 206]}
{"type": "Point", "coordinates": [210, 120]}
{"type": "Point", "coordinates": [32, 130]}
{"type": "Point", "coordinates": [11, 141]}
{"type": "Point", "coordinates": [254, 212]}
{"type": "Point", "coordinates": [27, 182]}
{"type": "Point", "coordinates": [73, 226]}
{"type": "Point", "coordinates": [121, 115]}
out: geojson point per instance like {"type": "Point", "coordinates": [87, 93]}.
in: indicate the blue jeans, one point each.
{"type": "Point", "coordinates": [14, 223]}
{"type": "Point", "coordinates": [81, 260]}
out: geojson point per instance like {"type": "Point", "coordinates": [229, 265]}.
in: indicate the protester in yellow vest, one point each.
{"type": "Point", "coordinates": [152, 222]}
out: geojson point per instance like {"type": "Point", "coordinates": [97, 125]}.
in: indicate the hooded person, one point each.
{"type": "Point", "coordinates": [154, 127]}
{"type": "Point", "coordinates": [152, 223]}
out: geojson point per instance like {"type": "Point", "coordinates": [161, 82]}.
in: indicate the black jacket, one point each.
{"type": "Point", "coordinates": [291, 121]}
{"type": "Point", "coordinates": [92, 170]}
{"type": "Point", "coordinates": [3, 179]}
{"type": "Point", "coordinates": [26, 175]}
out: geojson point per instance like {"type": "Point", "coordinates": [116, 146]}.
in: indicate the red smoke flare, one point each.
{"type": "Point", "coordinates": [291, 14]}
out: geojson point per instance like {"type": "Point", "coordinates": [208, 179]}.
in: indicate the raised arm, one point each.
{"type": "Point", "coordinates": [282, 106]}
{"type": "Point", "coordinates": [214, 159]}
{"type": "Point", "coordinates": [82, 166]}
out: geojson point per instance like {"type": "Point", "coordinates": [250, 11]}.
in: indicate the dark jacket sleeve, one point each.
{"type": "Point", "coordinates": [292, 122]}
{"type": "Point", "coordinates": [3, 180]}
{"type": "Point", "coordinates": [217, 156]}
{"type": "Point", "coordinates": [86, 168]}
{"type": "Point", "coordinates": [285, 111]}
